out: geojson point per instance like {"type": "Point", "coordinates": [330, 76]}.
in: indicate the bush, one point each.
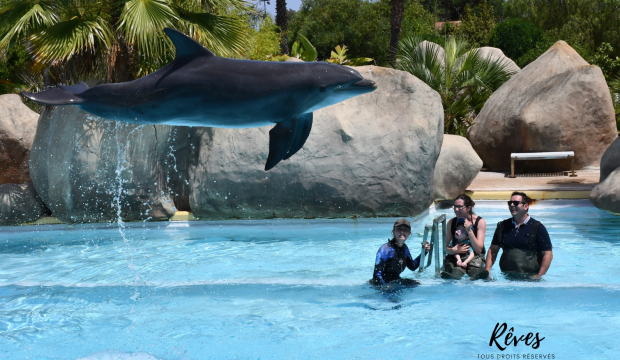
{"type": "Point", "coordinates": [515, 37]}
{"type": "Point", "coordinates": [363, 26]}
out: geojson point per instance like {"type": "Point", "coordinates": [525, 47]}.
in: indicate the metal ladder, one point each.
{"type": "Point", "coordinates": [435, 243]}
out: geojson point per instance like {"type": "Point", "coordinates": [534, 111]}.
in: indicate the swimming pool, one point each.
{"type": "Point", "coordinates": [295, 289]}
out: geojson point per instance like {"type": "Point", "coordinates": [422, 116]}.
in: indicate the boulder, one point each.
{"type": "Point", "coordinates": [456, 168]}
{"type": "Point", "coordinates": [498, 54]}
{"type": "Point", "coordinates": [17, 127]}
{"type": "Point", "coordinates": [611, 159]}
{"type": "Point", "coordinates": [606, 195]}
{"type": "Point", "coordinates": [556, 103]}
{"type": "Point", "coordinates": [85, 167]}
{"type": "Point", "coordinates": [372, 155]}
{"type": "Point", "coordinates": [19, 203]}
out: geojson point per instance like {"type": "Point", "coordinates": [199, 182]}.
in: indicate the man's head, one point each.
{"type": "Point", "coordinates": [518, 205]}
{"type": "Point", "coordinates": [401, 231]}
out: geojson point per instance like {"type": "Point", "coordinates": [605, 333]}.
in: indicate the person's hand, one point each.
{"type": "Point", "coordinates": [464, 265]}
{"type": "Point", "coordinates": [458, 263]}
{"type": "Point", "coordinates": [461, 249]}
{"type": "Point", "coordinates": [467, 224]}
{"type": "Point", "coordinates": [426, 246]}
{"type": "Point", "coordinates": [536, 277]}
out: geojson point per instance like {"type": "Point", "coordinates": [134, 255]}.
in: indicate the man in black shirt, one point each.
{"type": "Point", "coordinates": [525, 242]}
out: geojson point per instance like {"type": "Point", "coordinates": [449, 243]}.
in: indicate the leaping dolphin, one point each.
{"type": "Point", "coordinates": [199, 88]}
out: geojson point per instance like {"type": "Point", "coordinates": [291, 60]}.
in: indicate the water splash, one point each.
{"type": "Point", "coordinates": [121, 162]}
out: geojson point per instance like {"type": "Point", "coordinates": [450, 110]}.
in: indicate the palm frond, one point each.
{"type": "Point", "coordinates": [67, 38]}
{"type": "Point", "coordinates": [143, 21]}
{"type": "Point", "coordinates": [20, 18]}
{"type": "Point", "coordinates": [215, 6]}
{"type": "Point", "coordinates": [223, 35]}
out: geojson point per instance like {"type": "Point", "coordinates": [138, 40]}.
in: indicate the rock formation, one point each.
{"type": "Point", "coordinates": [19, 204]}
{"type": "Point", "coordinates": [556, 103]}
{"type": "Point", "coordinates": [17, 127]}
{"type": "Point", "coordinates": [372, 155]}
{"type": "Point", "coordinates": [610, 160]}
{"type": "Point", "coordinates": [606, 195]}
{"type": "Point", "coordinates": [498, 54]}
{"type": "Point", "coordinates": [83, 167]}
{"type": "Point", "coordinates": [456, 168]}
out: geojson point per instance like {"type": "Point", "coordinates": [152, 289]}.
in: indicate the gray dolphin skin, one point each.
{"type": "Point", "coordinates": [199, 88]}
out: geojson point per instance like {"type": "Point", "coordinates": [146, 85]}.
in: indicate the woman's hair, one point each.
{"type": "Point", "coordinates": [467, 201]}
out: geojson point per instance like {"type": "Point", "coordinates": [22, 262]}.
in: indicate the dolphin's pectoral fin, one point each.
{"type": "Point", "coordinates": [55, 96]}
{"type": "Point", "coordinates": [304, 125]}
{"type": "Point", "coordinates": [281, 138]}
{"type": "Point", "coordinates": [286, 138]}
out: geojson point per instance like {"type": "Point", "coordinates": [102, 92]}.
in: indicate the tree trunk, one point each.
{"type": "Point", "coordinates": [281, 22]}
{"type": "Point", "coordinates": [119, 54]}
{"type": "Point", "coordinates": [398, 7]}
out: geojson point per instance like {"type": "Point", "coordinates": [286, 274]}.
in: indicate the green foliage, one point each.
{"type": "Point", "coordinates": [89, 35]}
{"type": "Point", "coordinates": [451, 10]}
{"type": "Point", "coordinates": [515, 37]}
{"type": "Point", "coordinates": [362, 25]}
{"type": "Point", "coordinates": [303, 49]}
{"type": "Point", "coordinates": [614, 87]}
{"type": "Point", "coordinates": [462, 76]}
{"type": "Point", "coordinates": [339, 57]}
{"type": "Point", "coordinates": [15, 63]}
{"type": "Point", "coordinates": [476, 29]}
{"type": "Point", "coordinates": [264, 41]}
{"type": "Point", "coordinates": [604, 58]}
{"type": "Point", "coordinates": [587, 23]}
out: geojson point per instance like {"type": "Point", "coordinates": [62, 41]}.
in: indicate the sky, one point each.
{"type": "Point", "coordinates": [271, 7]}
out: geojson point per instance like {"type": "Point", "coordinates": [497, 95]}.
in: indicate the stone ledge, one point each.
{"type": "Point", "coordinates": [536, 195]}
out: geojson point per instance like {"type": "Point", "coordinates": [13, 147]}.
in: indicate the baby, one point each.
{"type": "Point", "coordinates": [461, 237]}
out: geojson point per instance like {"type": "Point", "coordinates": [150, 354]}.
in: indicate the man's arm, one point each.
{"type": "Point", "coordinates": [544, 246]}
{"type": "Point", "coordinates": [491, 256]}
{"type": "Point", "coordinates": [546, 262]}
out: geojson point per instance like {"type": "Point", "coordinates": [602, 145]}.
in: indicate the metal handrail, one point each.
{"type": "Point", "coordinates": [435, 243]}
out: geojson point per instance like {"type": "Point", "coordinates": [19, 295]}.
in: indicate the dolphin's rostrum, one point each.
{"type": "Point", "coordinates": [200, 89]}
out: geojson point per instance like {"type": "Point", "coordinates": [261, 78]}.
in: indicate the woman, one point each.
{"type": "Point", "coordinates": [475, 226]}
{"type": "Point", "coordinates": [394, 256]}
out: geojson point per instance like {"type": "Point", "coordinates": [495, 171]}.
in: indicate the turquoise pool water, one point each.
{"type": "Point", "coordinates": [295, 289]}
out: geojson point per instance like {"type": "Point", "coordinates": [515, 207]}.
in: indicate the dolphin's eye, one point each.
{"type": "Point", "coordinates": [323, 89]}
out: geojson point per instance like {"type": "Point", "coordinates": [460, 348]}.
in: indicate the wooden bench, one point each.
{"type": "Point", "coordinates": [542, 156]}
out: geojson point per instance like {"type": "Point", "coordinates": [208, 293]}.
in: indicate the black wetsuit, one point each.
{"type": "Point", "coordinates": [391, 261]}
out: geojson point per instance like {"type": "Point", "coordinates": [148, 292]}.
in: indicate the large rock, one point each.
{"type": "Point", "coordinates": [456, 168]}
{"type": "Point", "coordinates": [556, 103]}
{"type": "Point", "coordinates": [17, 127]}
{"type": "Point", "coordinates": [606, 195]}
{"type": "Point", "coordinates": [611, 159]}
{"type": "Point", "coordinates": [19, 204]}
{"type": "Point", "coordinates": [498, 54]}
{"type": "Point", "coordinates": [372, 155]}
{"type": "Point", "coordinates": [85, 167]}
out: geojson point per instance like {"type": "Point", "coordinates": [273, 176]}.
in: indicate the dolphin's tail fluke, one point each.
{"type": "Point", "coordinates": [65, 95]}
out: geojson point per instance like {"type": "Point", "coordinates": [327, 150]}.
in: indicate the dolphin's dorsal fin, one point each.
{"type": "Point", "coordinates": [186, 46]}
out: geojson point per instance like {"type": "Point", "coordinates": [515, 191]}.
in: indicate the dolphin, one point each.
{"type": "Point", "coordinates": [199, 88]}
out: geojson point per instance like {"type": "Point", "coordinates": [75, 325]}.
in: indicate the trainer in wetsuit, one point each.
{"type": "Point", "coordinates": [525, 242]}
{"type": "Point", "coordinates": [394, 256]}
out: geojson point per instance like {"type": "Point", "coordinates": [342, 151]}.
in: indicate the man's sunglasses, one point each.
{"type": "Point", "coordinates": [515, 203]}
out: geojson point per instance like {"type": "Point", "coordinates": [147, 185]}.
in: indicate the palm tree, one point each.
{"type": "Point", "coordinates": [396, 19]}
{"type": "Point", "coordinates": [121, 39]}
{"type": "Point", "coordinates": [281, 21]}
{"type": "Point", "coordinates": [462, 76]}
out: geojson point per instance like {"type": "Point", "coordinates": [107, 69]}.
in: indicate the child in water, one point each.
{"type": "Point", "coordinates": [461, 237]}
